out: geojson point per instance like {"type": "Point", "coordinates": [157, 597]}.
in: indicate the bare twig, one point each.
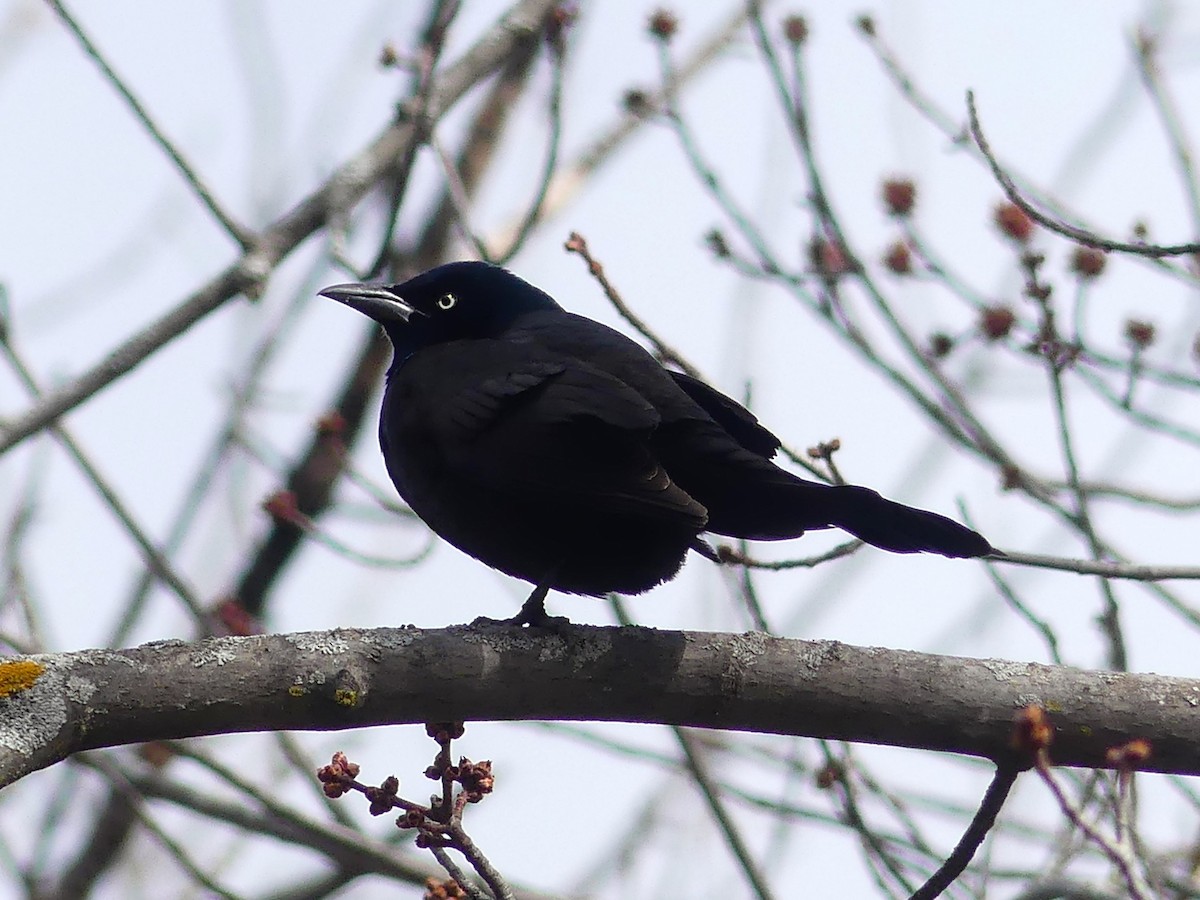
{"type": "Point", "coordinates": [1057, 356]}
{"type": "Point", "coordinates": [1142, 417]}
{"type": "Point", "coordinates": [1079, 235]}
{"type": "Point", "coordinates": [1146, 54]}
{"type": "Point", "coordinates": [438, 19]}
{"type": "Point", "coordinates": [244, 238]}
{"type": "Point", "coordinates": [570, 178]}
{"type": "Point", "coordinates": [459, 199]}
{"type": "Point", "coordinates": [16, 588]}
{"type": "Point", "coordinates": [733, 836]}
{"type": "Point", "coordinates": [283, 508]}
{"type": "Point", "coordinates": [1120, 853]}
{"type": "Point", "coordinates": [955, 132]}
{"type": "Point", "coordinates": [156, 561]}
{"type": "Point", "coordinates": [481, 864]}
{"type": "Point", "coordinates": [345, 188]}
{"type": "Point", "coordinates": [1127, 571]}
{"type": "Point", "coordinates": [479, 147]}
{"type": "Point", "coordinates": [985, 817]}
{"type": "Point", "coordinates": [577, 244]}
{"type": "Point", "coordinates": [554, 142]}
{"type": "Point", "coordinates": [736, 557]}
{"type": "Point", "coordinates": [838, 776]}
{"type": "Point", "coordinates": [950, 411]}
{"type": "Point", "coordinates": [460, 877]}
{"type": "Point", "coordinates": [1010, 597]}
{"type": "Point", "coordinates": [174, 849]}
{"type": "Point", "coordinates": [1115, 491]}
{"type": "Point", "coordinates": [698, 770]}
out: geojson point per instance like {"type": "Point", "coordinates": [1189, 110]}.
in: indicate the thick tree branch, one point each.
{"type": "Point", "coordinates": [59, 704]}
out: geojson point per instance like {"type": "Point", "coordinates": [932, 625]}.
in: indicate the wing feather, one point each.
{"type": "Point", "coordinates": [532, 423]}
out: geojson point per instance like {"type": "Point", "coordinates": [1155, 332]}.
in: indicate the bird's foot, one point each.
{"type": "Point", "coordinates": [533, 614]}
{"type": "Point", "coordinates": [544, 622]}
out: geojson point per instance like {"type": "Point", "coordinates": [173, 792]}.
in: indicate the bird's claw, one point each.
{"type": "Point", "coordinates": [543, 622]}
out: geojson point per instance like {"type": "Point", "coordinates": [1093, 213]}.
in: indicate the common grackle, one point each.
{"type": "Point", "coordinates": [556, 449]}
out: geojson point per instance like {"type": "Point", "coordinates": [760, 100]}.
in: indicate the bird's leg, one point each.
{"type": "Point", "coordinates": [533, 611]}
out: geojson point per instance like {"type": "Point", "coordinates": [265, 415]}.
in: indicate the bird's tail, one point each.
{"type": "Point", "coordinates": [783, 506]}
{"type": "Point", "coordinates": [899, 528]}
{"type": "Point", "coordinates": [748, 496]}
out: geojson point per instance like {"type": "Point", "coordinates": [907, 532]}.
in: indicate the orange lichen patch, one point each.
{"type": "Point", "coordinates": [18, 675]}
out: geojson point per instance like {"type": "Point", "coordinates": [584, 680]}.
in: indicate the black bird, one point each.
{"type": "Point", "coordinates": [559, 451]}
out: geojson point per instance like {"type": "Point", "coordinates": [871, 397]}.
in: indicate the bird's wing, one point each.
{"type": "Point", "coordinates": [674, 394]}
{"type": "Point", "coordinates": [741, 424]}
{"type": "Point", "coordinates": [517, 420]}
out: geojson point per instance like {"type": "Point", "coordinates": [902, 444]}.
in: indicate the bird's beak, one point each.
{"type": "Point", "coordinates": [375, 300]}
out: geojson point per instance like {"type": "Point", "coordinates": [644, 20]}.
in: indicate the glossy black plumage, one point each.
{"type": "Point", "coordinates": [555, 449]}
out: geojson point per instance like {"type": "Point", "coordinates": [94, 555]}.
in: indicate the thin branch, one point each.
{"type": "Point", "coordinates": [737, 557]}
{"type": "Point", "coordinates": [155, 560]}
{"type": "Point", "coordinates": [459, 199]}
{"type": "Point", "coordinates": [577, 244]}
{"type": "Point", "coordinates": [16, 588]}
{"type": "Point", "coordinates": [704, 172]}
{"type": "Point", "coordinates": [175, 849]}
{"type": "Point", "coordinates": [460, 877]}
{"type": "Point", "coordinates": [840, 775]}
{"type": "Point", "coordinates": [1145, 52]}
{"type": "Point", "coordinates": [1107, 489]}
{"type": "Point", "coordinates": [572, 177]}
{"type": "Point", "coordinates": [438, 20]}
{"type": "Point", "coordinates": [481, 864]}
{"type": "Point", "coordinates": [554, 145]}
{"type": "Point", "coordinates": [967, 430]}
{"type": "Point", "coordinates": [985, 818]}
{"type": "Point", "coordinates": [1010, 597]}
{"type": "Point", "coordinates": [698, 770]}
{"type": "Point", "coordinates": [1147, 420]}
{"type": "Point", "coordinates": [340, 192]}
{"type": "Point", "coordinates": [1126, 571]}
{"type": "Point", "coordinates": [244, 238]}
{"type": "Point", "coordinates": [1079, 235]}
{"type": "Point", "coordinates": [1119, 853]}
{"type": "Point", "coordinates": [1109, 620]}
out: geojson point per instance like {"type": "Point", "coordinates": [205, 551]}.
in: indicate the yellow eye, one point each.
{"type": "Point", "coordinates": [447, 301]}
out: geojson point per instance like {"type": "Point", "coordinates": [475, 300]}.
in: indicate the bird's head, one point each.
{"type": "Point", "coordinates": [460, 300]}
